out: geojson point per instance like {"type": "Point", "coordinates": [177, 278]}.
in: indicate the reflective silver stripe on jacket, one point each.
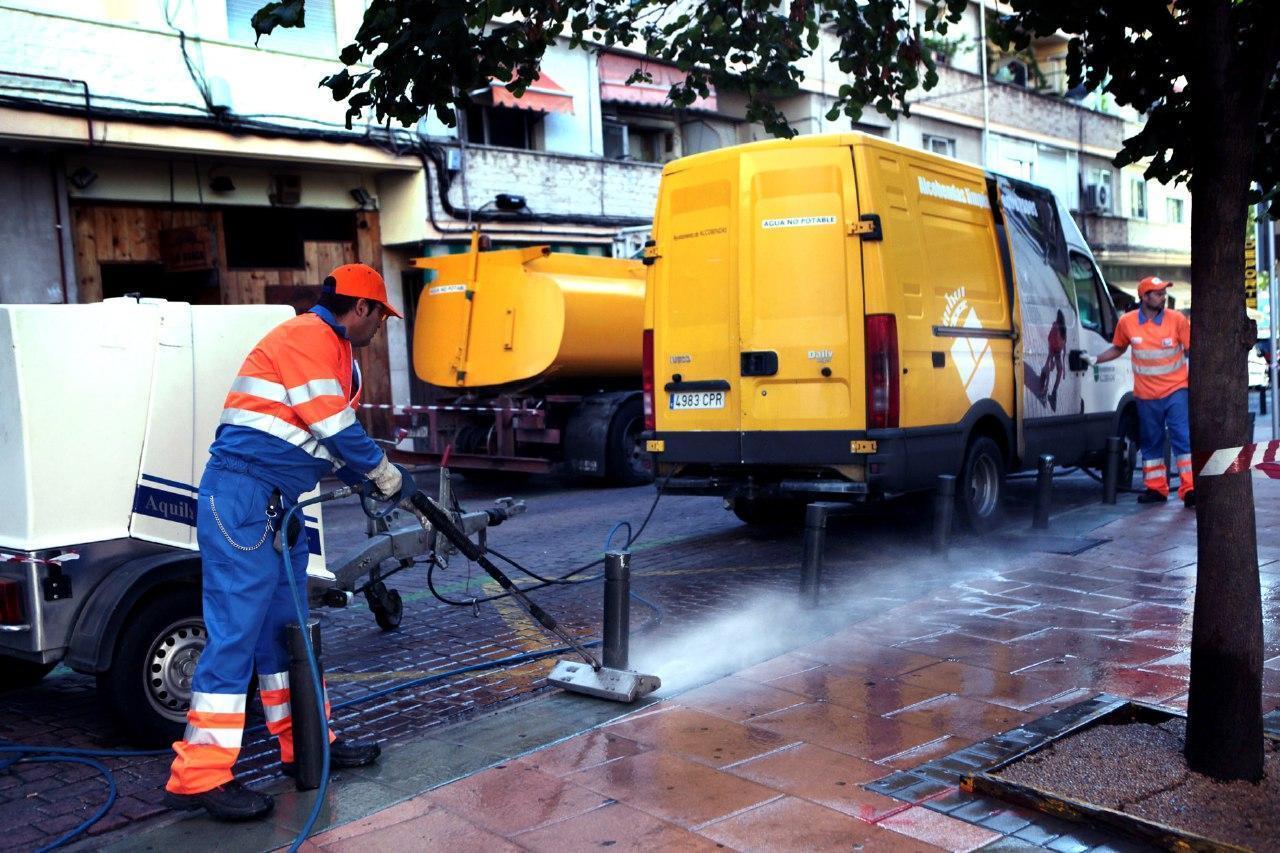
{"type": "Point", "coordinates": [1159, 369]}
{"type": "Point", "coordinates": [308, 391]}
{"type": "Point", "coordinates": [264, 388]}
{"type": "Point", "coordinates": [282, 430]}
{"type": "Point", "coordinates": [1153, 354]}
{"type": "Point", "coordinates": [334, 424]}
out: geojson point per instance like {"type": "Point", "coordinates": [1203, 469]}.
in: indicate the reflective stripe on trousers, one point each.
{"type": "Point", "coordinates": [247, 603]}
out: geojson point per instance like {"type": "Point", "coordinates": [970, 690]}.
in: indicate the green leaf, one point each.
{"type": "Point", "coordinates": [285, 13]}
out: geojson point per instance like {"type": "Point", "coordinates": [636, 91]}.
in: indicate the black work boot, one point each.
{"type": "Point", "coordinates": [1189, 499]}
{"type": "Point", "coordinates": [1151, 496]}
{"type": "Point", "coordinates": [231, 801]}
{"type": "Point", "coordinates": [343, 753]}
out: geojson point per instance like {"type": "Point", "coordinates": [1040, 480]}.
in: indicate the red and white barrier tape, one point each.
{"type": "Point", "coordinates": [1233, 460]}
{"type": "Point", "coordinates": [54, 561]}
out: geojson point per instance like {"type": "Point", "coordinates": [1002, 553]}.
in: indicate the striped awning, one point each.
{"type": "Point", "coordinates": [544, 96]}
{"type": "Point", "coordinates": [615, 69]}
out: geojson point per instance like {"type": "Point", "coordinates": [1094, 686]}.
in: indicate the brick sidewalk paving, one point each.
{"type": "Point", "coordinates": [778, 756]}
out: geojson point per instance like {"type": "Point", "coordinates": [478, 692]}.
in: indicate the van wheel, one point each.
{"type": "Point", "coordinates": [147, 690]}
{"type": "Point", "coordinates": [980, 492]}
{"type": "Point", "coordinates": [769, 512]}
{"type": "Point", "coordinates": [16, 674]}
{"type": "Point", "coordinates": [628, 463]}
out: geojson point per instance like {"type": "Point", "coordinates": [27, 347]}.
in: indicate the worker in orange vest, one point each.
{"type": "Point", "coordinates": [1161, 342]}
{"type": "Point", "coordinates": [289, 419]}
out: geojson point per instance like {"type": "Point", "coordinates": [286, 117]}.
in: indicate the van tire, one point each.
{"type": "Point", "coordinates": [981, 487]}
{"type": "Point", "coordinates": [766, 513]}
{"type": "Point", "coordinates": [627, 463]}
{"type": "Point", "coordinates": [16, 674]}
{"type": "Point", "coordinates": [167, 633]}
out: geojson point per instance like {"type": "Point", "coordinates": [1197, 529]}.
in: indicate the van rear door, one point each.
{"type": "Point", "coordinates": [800, 299]}
{"type": "Point", "coordinates": [695, 305]}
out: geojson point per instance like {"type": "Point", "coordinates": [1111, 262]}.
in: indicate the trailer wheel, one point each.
{"type": "Point", "coordinates": [15, 673]}
{"type": "Point", "coordinates": [980, 491]}
{"type": "Point", "coordinates": [386, 605]}
{"type": "Point", "coordinates": [147, 690]}
{"type": "Point", "coordinates": [628, 463]}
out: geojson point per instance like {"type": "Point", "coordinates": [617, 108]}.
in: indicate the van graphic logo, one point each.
{"type": "Point", "coordinates": [972, 357]}
{"type": "Point", "coordinates": [951, 192]}
{"type": "Point", "coordinates": [822, 356]}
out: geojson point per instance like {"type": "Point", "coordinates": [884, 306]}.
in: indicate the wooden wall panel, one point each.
{"type": "Point", "coordinates": [130, 234]}
{"type": "Point", "coordinates": [84, 239]}
{"type": "Point", "coordinates": [375, 363]}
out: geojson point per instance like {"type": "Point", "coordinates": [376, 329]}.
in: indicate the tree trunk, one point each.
{"type": "Point", "coordinates": [1224, 709]}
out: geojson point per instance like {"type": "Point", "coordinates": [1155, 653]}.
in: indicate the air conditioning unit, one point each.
{"type": "Point", "coordinates": [1097, 198]}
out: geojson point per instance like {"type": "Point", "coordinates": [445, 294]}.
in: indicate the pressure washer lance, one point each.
{"type": "Point", "coordinates": [612, 682]}
{"type": "Point", "coordinates": [440, 521]}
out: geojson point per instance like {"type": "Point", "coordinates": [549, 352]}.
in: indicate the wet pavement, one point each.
{"type": "Point", "coordinates": [910, 658]}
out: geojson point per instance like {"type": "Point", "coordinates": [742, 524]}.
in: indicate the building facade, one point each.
{"type": "Point", "coordinates": [153, 148]}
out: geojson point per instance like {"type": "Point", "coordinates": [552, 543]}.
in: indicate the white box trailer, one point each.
{"type": "Point", "coordinates": [109, 410]}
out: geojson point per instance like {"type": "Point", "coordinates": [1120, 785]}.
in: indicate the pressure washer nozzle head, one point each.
{"type": "Point", "coordinates": [618, 685]}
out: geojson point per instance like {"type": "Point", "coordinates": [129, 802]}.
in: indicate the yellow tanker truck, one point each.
{"type": "Point", "coordinates": [533, 359]}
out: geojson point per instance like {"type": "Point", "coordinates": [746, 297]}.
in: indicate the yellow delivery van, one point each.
{"type": "Point", "coordinates": [839, 317]}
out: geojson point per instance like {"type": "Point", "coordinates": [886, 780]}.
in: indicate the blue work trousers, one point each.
{"type": "Point", "coordinates": [1154, 418]}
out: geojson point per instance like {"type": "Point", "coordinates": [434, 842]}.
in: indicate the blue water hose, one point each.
{"type": "Point", "coordinates": [71, 755]}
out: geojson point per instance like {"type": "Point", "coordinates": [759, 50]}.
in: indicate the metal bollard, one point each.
{"type": "Point", "coordinates": [310, 728]}
{"type": "Point", "coordinates": [1111, 472]}
{"type": "Point", "coordinates": [1262, 401]}
{"type": "Point", "coordinates": [815, 542]}
{"type": "Point", "coordinates": [944, 505]}
{"type": "Point", "coordinates": [1044, 493]}
{"type": "Point", "coordinates": [617, 608]}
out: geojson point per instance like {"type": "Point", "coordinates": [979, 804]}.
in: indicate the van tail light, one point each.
{"type": "Point", "coordinates": [10, 602]}
{"type": "Point", "coordinates": [646, 377]}
{"type": "Point", "coordinates": [882, 371]}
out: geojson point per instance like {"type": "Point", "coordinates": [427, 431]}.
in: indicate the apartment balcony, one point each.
{"type": "Point", "coordinates": [1057, 120]}
{"type": "Point", "coordinates": [1137, 242]}
{"type": "Point", "coordinates": [559, 184]}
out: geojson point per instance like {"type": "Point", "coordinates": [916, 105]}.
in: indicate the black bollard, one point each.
{"type": "Point", "coordinates": [1044, 493]}
{"type": "Point", "coordinates": [944, 505]}
{"type": "Point", "coordinates": [815, 541]}
{"type": "Point", "coordinates": [1111, 472]}
{"type": "Point", "coordinates": [1262, 401]}
{"type": "Point", "coordinates": [310, 728]}
{"type": "Point", "coordinates": [617, 608]}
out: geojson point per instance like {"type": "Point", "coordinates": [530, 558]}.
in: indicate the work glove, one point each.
{"type": "Point", "coordinates": [387, 479]}
{"type": "Point", "coordinates": [1089, 360]}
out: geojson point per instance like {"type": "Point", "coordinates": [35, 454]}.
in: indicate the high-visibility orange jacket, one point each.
{"type": "Point", "coordinates": [1160, 346]}
{"type": "Point", "coordinates": [291, 411]}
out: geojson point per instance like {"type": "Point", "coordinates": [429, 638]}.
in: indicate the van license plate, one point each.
{"type": "Point", "coordinates": [697, 400]}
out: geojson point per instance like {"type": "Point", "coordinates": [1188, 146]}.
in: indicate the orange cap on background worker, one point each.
{"type": "Point", "coordinates": [361, 281]}
{"type": "Point", "coordinates": [1151, 283]}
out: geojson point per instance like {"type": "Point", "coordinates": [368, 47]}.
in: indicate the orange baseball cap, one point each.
{"type": "Point", "coordinates": [361, 281]}
{"type": "Point", "coordinates": [1150, 283]}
